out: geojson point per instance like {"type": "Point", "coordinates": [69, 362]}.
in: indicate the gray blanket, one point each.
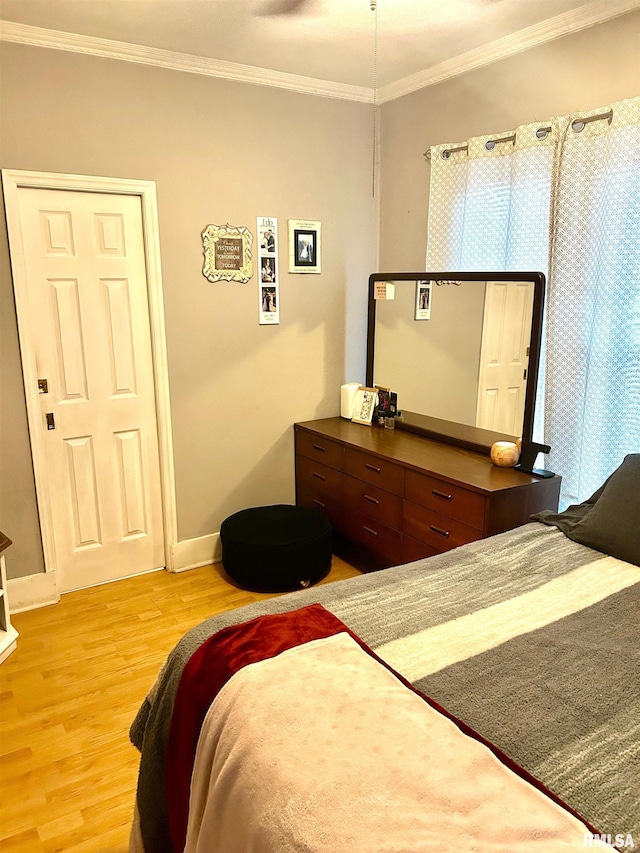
{"type": "Point", "coordinates": [560, 700]}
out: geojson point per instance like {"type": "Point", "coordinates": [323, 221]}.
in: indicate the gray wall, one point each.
{"type": "Point", "coordinates": [219, 152]}
{"type": "Point", "coordinates": [581, 71]}
{"type": "Point", "coordinates": [227, 152]}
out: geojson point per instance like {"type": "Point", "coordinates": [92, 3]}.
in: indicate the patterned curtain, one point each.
{"type": "Point", "coordinates": [565, 201]}
{"type": "Point", "coordinates": [490, 199]}
{"type": "Point", "coordinates": [592, 400]}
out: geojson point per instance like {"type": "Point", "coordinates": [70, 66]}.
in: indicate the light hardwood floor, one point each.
{"type": "Point", "coordinates": [68, 695]}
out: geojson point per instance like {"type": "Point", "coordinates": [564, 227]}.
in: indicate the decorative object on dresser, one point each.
{"type": "Point", "coordinates": [364, 405]}
{"type": "Point", "coordinates": [8, 634]}
{"type": "Point", "coordinates": [347, 399]}
{"type": "Point", "coordinates": [528, 455]}
{"type": "Point", "coordinates": [505, 454]}
{"type": "Point", "coordinates": [401, 496]}
{"type": "Point", "coordinates": [387, 406]}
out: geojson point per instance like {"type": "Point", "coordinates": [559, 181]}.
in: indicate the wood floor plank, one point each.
{"type": "Point", "coordinates": [21, 842]}
{"type": "Point", "coordinates": [70, 691]}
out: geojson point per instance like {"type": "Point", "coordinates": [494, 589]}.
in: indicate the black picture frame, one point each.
{"type": "Point", "coordinates": [305, 247]}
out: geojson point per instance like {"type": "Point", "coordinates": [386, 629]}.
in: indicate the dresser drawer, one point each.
{"type": "Point", "coordinates": [330, 505]}
{"type": "Point", "coordinates": [445, 498]}
{"type": "Point", "coordinates": [319, 478]}
{"type": "Point", "coordinates": [378, 472]}
{"type": "Point", "coordinates": [373, 501]}
{"type": "Point", "coordinates": [437, 530]}
{"type": "Point", "coordinates": [373, 535]}
{"type": "Point", "coordinates": [414, 549]}
{"type": "Point", "coordinates": [313, 447]}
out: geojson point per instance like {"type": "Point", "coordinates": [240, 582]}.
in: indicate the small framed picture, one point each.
{"type": "Point", "coordinates": [269, 299]}
{"type": "Point", "coordinates": [387, 405]}
{"type": "Point", "coordinates": [364, 405]}
{"type": "Point", "coordinates": [423, 300]}
{"type": "Point", "coordinates": [267, 238]}
{"type": "Point", "coordinates": [304, 246]}
{"type": "Point", "coordinates": [267, 270]}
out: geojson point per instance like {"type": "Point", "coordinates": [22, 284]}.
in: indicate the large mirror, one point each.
{"type": "Point", "coordinates": [460, 349]}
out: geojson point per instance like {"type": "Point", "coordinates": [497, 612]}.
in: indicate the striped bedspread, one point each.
{"type": "Point", "coordinates": [528, 637]}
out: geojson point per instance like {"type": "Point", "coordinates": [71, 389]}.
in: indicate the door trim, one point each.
{"type": "Point", "coordinates": [13, 181]}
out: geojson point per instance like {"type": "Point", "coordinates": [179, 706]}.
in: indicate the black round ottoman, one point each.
{"type": "Point", "coordinates": [276, 547]}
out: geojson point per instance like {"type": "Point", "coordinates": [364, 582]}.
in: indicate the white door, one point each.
{"type": "Point", "coordinates": [87, 294]}
{"type": "Point", "coordinates": [504, 357]}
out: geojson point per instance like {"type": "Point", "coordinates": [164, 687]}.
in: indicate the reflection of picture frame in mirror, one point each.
{"type": "Point", "coordinates": [364, 405]}
{"type": "Point", "coordinates": [423, 300]}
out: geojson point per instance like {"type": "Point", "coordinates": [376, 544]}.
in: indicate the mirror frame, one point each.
{"type": "Point", "coordinates": [451, 432]}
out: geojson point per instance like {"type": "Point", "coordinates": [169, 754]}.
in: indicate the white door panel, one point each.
{"type": "Point", "coordinates": [86, 274]}
{"type": "Point", "coordinates": [504, 357]}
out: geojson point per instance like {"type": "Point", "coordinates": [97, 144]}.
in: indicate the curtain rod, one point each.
{"type": "Point", "coordinates": [577, 125]}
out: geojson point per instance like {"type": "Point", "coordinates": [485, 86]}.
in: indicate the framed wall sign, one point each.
{"type": "Point", "coordinates": [304, 246]}
{"type": "Point", "coordinates": [227, 253]}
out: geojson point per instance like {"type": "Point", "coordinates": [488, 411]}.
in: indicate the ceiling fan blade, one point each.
{"type": "Point", "coordinates": [281, 7]}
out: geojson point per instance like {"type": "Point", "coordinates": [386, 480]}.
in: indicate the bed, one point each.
{"type": "Point", "coordinates": [525, 643]}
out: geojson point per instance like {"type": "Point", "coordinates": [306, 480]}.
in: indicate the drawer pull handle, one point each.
{"type": "Point", "coordinates": [372, 468]}
{"type": "Point", "coordinates": [319, 447]}
{"type": "Point", "coordinates": [319, 476]}
{"type": "Point", "coordinates": [442, 495]}
{"type": "Point", "coordinates": [369, 531]}
{"type": "Point", "coordinates": [316, 501]}
{"type": "Point", "coordinates": [371, 500]}
{"type": "Point", "coordinates": [440, 532]}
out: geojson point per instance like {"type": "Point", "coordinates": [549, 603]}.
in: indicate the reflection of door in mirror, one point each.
{"type": "Point", "coordinates": [504, 356]}
{"type": "Point", "coordinates": [433, 364]}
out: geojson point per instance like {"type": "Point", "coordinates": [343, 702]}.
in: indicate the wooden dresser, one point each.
{"type": "Point", "coordinates": [401, 497]}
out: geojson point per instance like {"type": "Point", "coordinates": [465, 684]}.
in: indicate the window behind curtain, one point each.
{"type": "Point", "coordinates": [567, 204]}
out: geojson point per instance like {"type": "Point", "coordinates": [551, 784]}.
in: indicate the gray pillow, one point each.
{"type": "Point", "coordinates": [610, 520]}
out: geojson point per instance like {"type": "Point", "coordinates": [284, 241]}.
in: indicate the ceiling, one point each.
{"type": "Point", "coordinates": [419, 41]}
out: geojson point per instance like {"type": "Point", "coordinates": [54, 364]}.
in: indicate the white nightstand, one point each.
{"type": "Point", "coordinates": [8, 634]}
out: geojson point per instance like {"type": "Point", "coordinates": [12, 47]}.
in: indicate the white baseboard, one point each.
{"type": "Point", "coordinates": [192, 553]}
{"type": "Point", "coordinates": [32, 591]}
{"type": "Point", "coordinates": [40, 590]}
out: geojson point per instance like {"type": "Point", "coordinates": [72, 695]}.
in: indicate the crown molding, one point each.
{"type": "Point", "coordinates": [142, 55]}
{"type": "Point", "coordinates": [587, 16]}
{"type": "Point", "coordinates": [593, 13]}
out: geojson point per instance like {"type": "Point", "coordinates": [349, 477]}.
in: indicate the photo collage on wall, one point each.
{"type": "Point", "coordinates": [269, 297]}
